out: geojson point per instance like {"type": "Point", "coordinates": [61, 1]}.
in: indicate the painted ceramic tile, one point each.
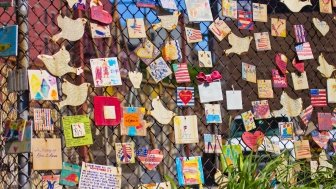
{"type": "Point", "coordinates": [51, 182]}
{"type": "Point", "coordinates": [150, 159]}
{"type": "Point", "coordinates": [302, 149]}
{"type": "Point", "coordinates": [248, 120]}
{"type": "Point", "coordinates": [259, 12]}
{"type": "Point", "coordinates": [132, 122]}
{"type": "Point", "coordinates": [14, 130]}
{"type": "Point", "coordinates": [324, 121]}
{"type": "Point", "coordinates": [304, 51]}
{"type": "Point", "coordinates": [79, 5]}
{"type": "Point", "coordinates": [100, 31]}
{"type": "Point", "coordinates": [249, 72]}
{"type": "Point", "coordinates": [181, 73]}
{"type": "Point", "coordinates": [125, 153]}
{"type": "Point", "coordinates": [278, 27]}
{"type": "Point", "coordinates": [105, 72]}
{"type": "Point", "coordinates": [318, 97]}
{"type": "Point", "coordinates": [17, 146]}
{"type": "Point", "coordinates": [171, 50]}
{"type": "Point", "coordinates": [265, 89]}
{"type": "Point", "coordinates": [306, 114]}
{"type": "Point", "coordinates": [107, 110]}
{"type": "Point", "coordinates": [6, 3]}
{"type": "Point", "coordinates": [198, 10]}
{"type": "Point", "coordinates": [47, 153]}
{"type": "Point", "coordinates": [159, 70]}
{"type": "Point", "coordinates": [147, 52]}
{"type": "Point", "coordinates": [70, 174]}
{"type": "Point", "coordinates": [325, 6]}
{"type": "Point", "coordinates": [300, 82]}
{"type": "Point", "coordinates": [220, 29]}
{"type": "Point", "coordinates": [185, 96]}
{"type": "Point", "coordinates": [136, 28]}
{"type": "Point", "coordinates": [186, 130]}
{"type": "Point", "coordinates": [212, 113]}
{"type": "Point", "coordinates": [231, 155]}
{"type": "Point", "coordinates": [168, 4]}
{"type": "Point", "coordinates": [234, 100]}
{"type": "Point", "coordinates": [229, 8]}
{"type": "Point", "coordinates": [286, 130]}
{"type": "Point", "coordinates": [77, 130]}
{"type": "Point", "coordinates": [210, 92]}
{"type": "Point", "coordinates": [271, 146]}
{"type": "Point", "coordinates": [193, 35]}
{"type": "Point", "coordinates": [212, 143]}
{"type": "Point", "coordinates": [8, 41]}
{"type": "Point", "coordinates": [93, 175]}
{"type": "Point", "coordinates": [261, 109]}
{"type": "Point", "coordinates": [279, 81]}
{"type": "Point", "coordinates": [331, 88]}
{"type": "Point", "coordinates": [245, 21]}
{"type": "Point", "coordinates": [43, 120]}
{"type": "Point", "coordinates": [146, 3]}
{"type": "Point", "coordinates": [42, 86]}
{"type": "Point", "coordinates": [189, 170]}
{"type": "Point", "coordinates": [161, 185]}
{"type": "Point", "coordinates": [262, 41]}
{"type": "Point", "coordinates": [300, 33]}
{"type": "Point", "coordinates": [204, 59]}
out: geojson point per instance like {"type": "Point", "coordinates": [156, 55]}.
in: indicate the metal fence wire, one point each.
{"type": "Point", "coordinates": [37, 23]}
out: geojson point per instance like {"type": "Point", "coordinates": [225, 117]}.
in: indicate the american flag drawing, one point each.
{"type": "Point", "coordinates": [245, 20]}
{"type": "Point", "coordinates": [304, 51]}
{"type": "Point", "coordinates": [181, 73]}
{"type": "Point", "coordinates": [262, 41]}
{"type": "Point", "coordinates": [193, 35]}
{"type": "Point", "coordinates": [318, 97]}
{"type": "Point", "coordinates": [306, 114]}
{"type": "Point", "coordinates": [42, 120]}
{"type": "Point", "coordinates": [125, 152]}
{"type": "Point", "coordinates": [300, 33]}
{"type": "Point", "coordinates": [137, 28]}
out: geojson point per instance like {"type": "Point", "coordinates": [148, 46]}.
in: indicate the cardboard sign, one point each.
{"type": "Point", "coordinates": [43, 120]}
{"type": "Point", "coordinates": [325, 68]}
{"type": "Point", "coordinates": [51, 182]}
{"type": "Point", "coordinates": [186, 129]}
{"type": "Point", "coordinates": [265, 89]}
{"type": "Point", "coordinates": [212, 143]}
{"type": "Point", "coordinates": [149, 158]}
{"type": "Point", "coordinates": [249, 72]}
{"type": "Point", "coordinates": [321, 138]}
{"type": "Point", "coordinates": [286, 130]}
{"type": "Point", "coordinates": [234, 100]}
{"type": "Point", "coordinates": [185, 96]}
{"type": "Point", "coordinates": [253, 140]}
{"type": "Point", "coordinates": [212, 113]}
{"type": "Point", "coordinates": [259, 12]}
{"type": "Point", "coordinates": [132, 122]}
{"type": "Point", "coordinates": [105, 72]}
{"type": "Point", "coordinates": [70, 174]}
{"type": "Point", "coordinates": [8, 40]}
{"type": "Point", "coordinates": [248, 120]}
{"type": "Point", "coordinates": [159, 70]}
{"type": "Point", "coordinates": [136, 28]}
{"type": "Point", "coordinates": [198, 10]}
{"type": "Point", "coordinates": [204, 59]}
{"type": "Point", "coordinates": [77, 130]}
{"type": "Point", "coordinates": [189, 170]}
{"type": "Point", "coordinates": [93, 175]}
{"type": "Point", "coordinates": [321, 26]}
{"type": "Point", "coordinates": [125, 153]}
{"type": "Point", "coordinates": [42, 86]}
{"type": "Point", "coordinates": [107, 111]}
{"type": "Point", "coordinates": [47, 154]}
{"type": "Point", "coordinates": [302, 149]}
{"type": "Point", "coordinates": [261, 109]}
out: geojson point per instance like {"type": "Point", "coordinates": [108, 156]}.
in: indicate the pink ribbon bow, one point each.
{"type": "Point", "coordinates": [214, 76]}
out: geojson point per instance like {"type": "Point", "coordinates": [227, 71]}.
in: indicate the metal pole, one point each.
{"type": "Point", "coordinates": [23, 97]}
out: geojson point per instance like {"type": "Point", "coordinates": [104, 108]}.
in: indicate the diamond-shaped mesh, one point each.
{"type": "Point", "coordinates": [16, 171]}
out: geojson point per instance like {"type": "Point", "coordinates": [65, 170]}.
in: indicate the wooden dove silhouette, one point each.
{"type": "Point", "coordinates": [290, 107]}
{"type": "Point", "coordinates": [325, 69]}
{"type": "Point", "coordinates": [168, 22]}
{"type": "Point", "coordinates": [160, 113]}
{"type": "Point", "coordinates": [72, 30]}
{"type": "Point", "coordinates": [58, 64]}
{"type": "Point", "coordinates": [76, 95]}
{"type": "Point", "coordinates": [238, 45]}
{"type": "Point", "coordinates": [295, 5]}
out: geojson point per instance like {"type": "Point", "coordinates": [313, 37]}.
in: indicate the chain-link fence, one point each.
{"type": "Point", "coordinates": [37, 23]}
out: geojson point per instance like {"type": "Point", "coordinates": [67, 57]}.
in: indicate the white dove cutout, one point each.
{"type": "Point", "coordinates": [160, 113]}
{"type": "Point", "coordinates": [58, 64]}
{"type": "Point", "coordinates": [290, 107]}
{"type": "Point", "coordinates": [325, 69]}
{"type": "Point", "coordinates": [296, 5]}
{"type": "Point", "coordinates": [238, 45]}
{"type": "Point", "coordinates": [76, 95]}
{"type": "Point", "coordinates": [321, 26]}
{"type": "Point", "coordinates": [72, 30]}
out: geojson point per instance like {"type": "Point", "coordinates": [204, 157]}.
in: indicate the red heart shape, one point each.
{"type": "Point", "coordinates": [152, 159]}
{"type": "Point", "coordinates": [185, 96]}
{"type": "Point", "coordinates": [321, 138]}
{"type": "Point", "coordinates": [299, 65]}
{"type": "Point", "coordinates": [281, 62]}
{"type": "Point", "coordinates": [253, 140]}
{"type": "Point", "coordinates": [100, 15]}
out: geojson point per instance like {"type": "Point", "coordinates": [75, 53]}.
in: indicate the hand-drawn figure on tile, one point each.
{"type": "Point", "coordinates": [58, 64]}
{"type": "Point", "coordinates": [76, 95]}
{"type": "Point", "coordinates": [72, 30]}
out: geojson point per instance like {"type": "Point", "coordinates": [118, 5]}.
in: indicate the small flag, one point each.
{"type": "Point", "coordinates": [181, 73]}
{"type": "Point", "coordinates": [304, 51]}
{"type": "Point", "coordinates": [262, 41]}
{"type": "Point", "coordinates": [300, 33]}
{"type": "Point", "coordinates": [306, 114]}
{"type": "Point", "coordinates": [193, 35]}
{"type": "Point", "coordinates": [318, 97]}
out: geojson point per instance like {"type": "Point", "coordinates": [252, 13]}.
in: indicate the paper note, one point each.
{"type": "Point", "coordinates": [42, 85]}
{"type": "Point", "coordinates": [185, 96]}
{"type": "Point", "coordinates": [279, 81]}
{"type": "Point", "coordinates": [189, 170]}
{"type": "Point", "coordinates": [324, 121]}
{"type": "Point", "coordinates": [125, 153]}
{"type": "Point", "coordinates": [99, 176]}
{"type": "Point", "coordinates": [325, 6]}
{"type": "Point", "coordinates": [147, 51]}
{"type": "Point", "coordinates": [186, 130]}
{"type": "Point", "coordinates": [132, 123]}
{"type": "Point", "coordinates": [271, 146]}
{"type": "Point", "coordinates": [234, 100]}
{"type": "Point", "coordinates": [168, 4]}
{"type": "Point", "coordinates": [70, 174]}
{"type": "Point", "coordinates": [77, 130]}
{"type": "Point", "coordinates": [245, 15]}
{"type": "Point", "coordinates": [47, 154]}
{"type": "Point", "coordinates": [15, 147]}
{"type": "Point", "coordinates": [105, 72]}
{"type": "Point", "coordinates": [231, 155]}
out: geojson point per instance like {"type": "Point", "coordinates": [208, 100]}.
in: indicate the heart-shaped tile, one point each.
{"type": "Point", "coordinates": [281, 62]}
{"type": "Point", "coordinates": [99, 14]}
{"type": "Point", "coordinates": [185, 96]}
{"type": "Point", "coordinates": [146, 51]}
{"type": "Point", "coordinates": [253, 140]}
{"type": "Point", "coordinates": [321, 26]}
{"type": "Point", "coordinates": [298, 65]}
{"type": "Point", "coordinates": [135, 78]}
{"type": "Point", "coordinates": [321, 138]}
{"type": "Point", "coordinates": [149, 158]}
